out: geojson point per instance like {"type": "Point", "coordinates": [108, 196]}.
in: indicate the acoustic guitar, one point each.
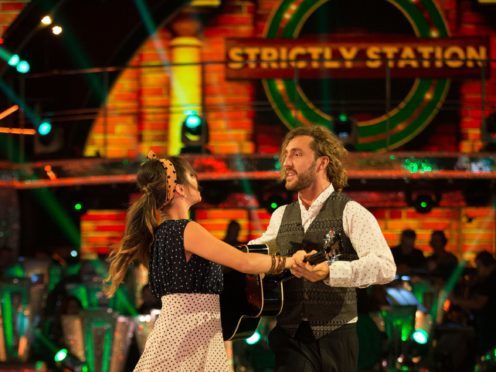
{"type": "Point", "coordinates": [247, 297]}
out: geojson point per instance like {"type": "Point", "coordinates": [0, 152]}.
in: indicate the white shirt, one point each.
{"type": "Point", "coordinates": [375, 263]}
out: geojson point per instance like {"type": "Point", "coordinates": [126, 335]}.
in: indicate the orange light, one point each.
{"type": "Point", "coordinates": [446, 305]}
{"type": "Point", "coordinates": [28, 132]}
{"type": "Point", "coordinates": [9, 111]}
{"type": "Point", "coordinates": [50, 173]}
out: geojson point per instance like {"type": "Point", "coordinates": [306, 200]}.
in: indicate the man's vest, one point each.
{"type": "Point", "coordinates": [326, 308]}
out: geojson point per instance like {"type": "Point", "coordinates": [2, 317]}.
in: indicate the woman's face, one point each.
{"type": "Point", "coordinates": [192, 189]}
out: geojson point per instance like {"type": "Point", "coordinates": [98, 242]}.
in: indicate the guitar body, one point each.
{"type": "Point", "coordinates": [246, 298]}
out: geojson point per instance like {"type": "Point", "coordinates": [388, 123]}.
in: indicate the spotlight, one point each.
{"type": "Point", "coordinates": [420, 336]}
{"type": "Point", "coordinates": [423, 201]}
{"type": "Point", "coordinates": [46, 20]}
{"type": "Point", "coordinates": [44, 128]}
{"type": "Point", "coordinates": [254, 338]}
{"type": "Point", "coordinates": [14, 60]}
{"type": "Point", "coordinates": [48, 139]}
{"type": "Point", "coordinates": [23, 67]}
{"type": "Point", "coordinates": [345, 128]}
{"type": "Point", "coordinates": [194, 134]}
{"type": "Point", "coordinates": [63, 358]}
{"type": "Point", "coordinates": [273, 202]}
{"type": "Point", "coordinates": [61, 355]}
{"type": "Point", "coordinates": [56, 30]}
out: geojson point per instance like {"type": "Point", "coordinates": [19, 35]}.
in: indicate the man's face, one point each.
{"type": "Point", "coordinates": [436, 242]}
{"type": "Point", "coordinates": [299, 164]}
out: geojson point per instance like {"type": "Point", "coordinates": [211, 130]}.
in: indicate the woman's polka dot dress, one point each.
{"type": "Point", "coordinates": [187, 336]}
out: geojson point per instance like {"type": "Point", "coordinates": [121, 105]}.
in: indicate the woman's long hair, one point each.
{"type": "Point", "coordinates": [142, 219]}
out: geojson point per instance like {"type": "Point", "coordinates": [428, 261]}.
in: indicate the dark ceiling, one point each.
{"type": "Point", "coordinates": [97, 34]}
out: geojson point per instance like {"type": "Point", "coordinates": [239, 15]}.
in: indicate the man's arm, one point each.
{"type": "Point", "coordinates": [271, 233]}
{"type": "Point", "coordinates": [375, 264]}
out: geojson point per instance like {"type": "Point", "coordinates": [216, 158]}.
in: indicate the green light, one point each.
{"type": "Point", "coordinates": [44, 128]}
{"type": "Point", "coordinates": [343, 117]}
{"type": "Point", "coordinates": [193, 120]}
{"type": "Point", "coordinates": [39, 366]}
{"type": "Point", "coordinates": [273, 205]}
{"type": "Point", "coordinates": [23, 67]}
{"type": "Point", "coordinates": [254, 338]}
{"type": "Point", "coordinates": [420, 336]}
{"type": "Point", "coordinates": [14, 60]}
{"type": "Point", "coordinates": [78, 206]}
{"type": "Point", "coordinates": [423, 204]}
{"type": "Point", "coordinates": [61, 355]}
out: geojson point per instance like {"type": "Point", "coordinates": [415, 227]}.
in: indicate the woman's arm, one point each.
{"type": "Point", "coordinates": [199, 241]}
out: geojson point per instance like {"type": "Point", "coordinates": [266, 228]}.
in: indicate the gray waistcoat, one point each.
{"type": "Point", "coordinates": [326, 308]}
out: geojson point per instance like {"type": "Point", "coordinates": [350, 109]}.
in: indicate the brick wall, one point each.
{"type": "Point", "coordinates": [9, 11]}
{"type": "Point", "coordinates": [136, 117]}
{"type": "Point", "coordinates": [469, 230]}
{"type": "Point", "coordinates": [471, 21]}
{"type": "Point", "coordinates": [227, 104]}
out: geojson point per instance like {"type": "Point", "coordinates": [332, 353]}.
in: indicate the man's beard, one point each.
{"type": "Point", "coordinates": [304, 180]}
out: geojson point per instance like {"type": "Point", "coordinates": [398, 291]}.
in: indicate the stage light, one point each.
{"type": "Point", "coordinates": [194, 133]}
{"type": "Point", "coordinates": [14, 60]}
{"type": "Point", "coordinates": [56, 30]}
{"type": "Point", "coordinates": [48, 138]}
{"type": "Point", "coordinates": [345, 128]}
{"type": "Point", "coordinates": [273, 202]}
{"type": "Point", "coordinates": [46, 20]}
{"type": "Point", "coordinates": [254, 338]}
{"type": "Point", "coordinates": [420, 336]}
{"type": "Point", "coordinates": [423, 201]}
{"type": "Point", "coordinates": [44, 128]}
{"type": "Point", "coordinates": [61, 355]}
{"type": "Point", "coordinates": [23, 67]}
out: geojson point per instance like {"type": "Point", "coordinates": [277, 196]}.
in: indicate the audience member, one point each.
{"type": "Point", "coordinates": [441, 263]}
{"type": "Point", "coordinates": [482, 302]}
{"type": "Point", "coordinates": [232, 233]}
{"type": "Point", "coordinates": [408, 258]}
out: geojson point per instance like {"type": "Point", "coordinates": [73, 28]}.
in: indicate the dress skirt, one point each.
{"type": "Point", "coordinates": [186, 337]}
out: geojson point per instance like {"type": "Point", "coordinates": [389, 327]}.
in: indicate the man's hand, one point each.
{"type": "Point", "coordinates": [304, 270]}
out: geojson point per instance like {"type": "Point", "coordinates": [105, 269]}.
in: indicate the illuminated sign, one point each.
{"type": "Point", "coordinates": [274, 59]}
{"type": "Point", "coordinates": [355, 58]}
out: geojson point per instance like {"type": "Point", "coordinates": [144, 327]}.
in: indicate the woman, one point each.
{"type": "Point", "coordinates": [184, 268]}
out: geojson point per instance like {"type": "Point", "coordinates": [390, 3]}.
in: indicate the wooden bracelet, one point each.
{"type": "Point", "coordinates": [272, 265]}
{"type": "Point", "coordinates": [281, 263]}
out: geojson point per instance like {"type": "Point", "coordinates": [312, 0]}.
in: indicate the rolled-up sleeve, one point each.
{"type": "Point", "coordinates": [375, 263]}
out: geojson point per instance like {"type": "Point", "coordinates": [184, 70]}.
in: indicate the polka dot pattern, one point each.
{"type": "Point", "coordinates": [375, 264]}
{"type": "Point", "coordinates": [169, 272]}
{"type": "Point", "coordinates": [186, 337]}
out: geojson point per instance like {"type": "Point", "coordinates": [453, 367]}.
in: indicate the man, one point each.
{"type": "Point", "coordinates": [481, 301]}
{"type": "Point", "coordinates": [441, 263]}
{"type": "Point", "coordinates": [316, 330]}
{"type": "Point", "coordinates": [410, 260]}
